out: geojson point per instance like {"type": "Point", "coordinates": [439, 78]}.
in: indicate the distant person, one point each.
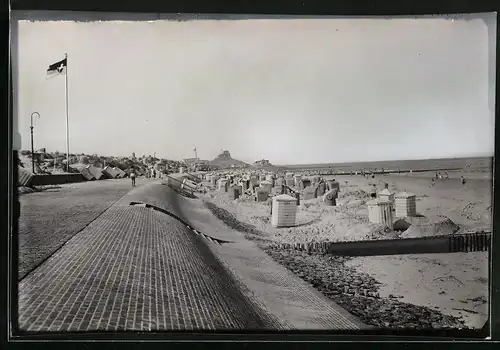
{"type": "Point", "coordinates": [433, 182]}
{"type": "Point", "coordinates": [373, 193]}
{"type": "Point", "coordinates": [446, 175]}
{"type": "Point", "coordinates": [463, 180]}
{"type": "Point", "coordinates": [132, 177]}
{"type": "Point", "coordinates": [437, 176]}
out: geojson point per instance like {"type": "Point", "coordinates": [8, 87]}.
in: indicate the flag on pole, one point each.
{"type": "Point", "coordinates": [58, 68]}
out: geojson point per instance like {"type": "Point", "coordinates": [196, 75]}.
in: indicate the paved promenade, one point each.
{"type": "Point", "coordinates": [275, 290]}
{"type": "Point", "coordinates": [134, 268]}
{"type": "Point", "coordinates": [49, 218]}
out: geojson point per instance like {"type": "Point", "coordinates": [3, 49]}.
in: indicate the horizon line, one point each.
{"type": "Point", "coordinates": [390, 160]}
{"type": "Point", "coordinates": [291, 164]}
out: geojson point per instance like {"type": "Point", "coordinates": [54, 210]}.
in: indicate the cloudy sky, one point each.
{"type": "Point", "coordinates": [291, 91]}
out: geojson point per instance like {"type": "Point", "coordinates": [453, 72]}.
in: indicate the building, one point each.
{"type": "Point", "coordinates": [195, 163]}
{"type": "Point", "coordinates": [201, 165]}
{"type": "Point", "coordinates": [263, 162]}
{"type": "Point", "coordinates": [190, 161]}
{"type": "Point", "coordinates": [41, 155]}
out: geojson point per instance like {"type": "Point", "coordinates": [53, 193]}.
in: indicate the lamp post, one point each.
{"type": "Point", "coordinates": [32, 147]}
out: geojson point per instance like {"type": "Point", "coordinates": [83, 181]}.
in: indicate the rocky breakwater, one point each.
{"type": "Point", "coordinates": [358, 293]}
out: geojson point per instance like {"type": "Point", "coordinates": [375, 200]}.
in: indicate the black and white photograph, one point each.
{"type": "Point", "coordinates": [253, 173]}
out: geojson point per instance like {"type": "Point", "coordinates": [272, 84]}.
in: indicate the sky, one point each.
{"type": "Point", "coordinates": [293, 91]}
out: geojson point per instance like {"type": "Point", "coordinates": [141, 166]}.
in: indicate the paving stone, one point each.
{"type": "Point", "coordinates": [138, 269]}
{"type": "Point", "coordinates": [134, 268]}
{"type": "Point", "coordinates": [49, 218]}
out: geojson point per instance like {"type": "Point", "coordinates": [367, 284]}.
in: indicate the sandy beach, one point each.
{"type": "Point", "coordinates": [454, 285]}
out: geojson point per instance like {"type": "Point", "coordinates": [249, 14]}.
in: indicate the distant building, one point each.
{"type": "Point", "coordinates": [225, 154]}
{"type": "Point", "coordinates": [41, 155]}
{"type": "Point", "coordinates": [203, 167]}
{"type": "Point", "coordinates": [263, 162]}
{"type": "Point", "coordinates": [190, 161]}
{"type": "Point", "coordinates": [195, 164]}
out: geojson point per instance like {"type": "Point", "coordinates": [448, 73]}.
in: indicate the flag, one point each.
{"type": "Point", "coordinates": [57, 68]}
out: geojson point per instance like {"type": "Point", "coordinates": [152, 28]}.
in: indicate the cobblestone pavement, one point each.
{"type": "Point", "coordinates": [158, 195]}
{"type": "Point", "coordinates": [134, 269]}
{"type": "Point", "coordinates": [276, 291]}
{"type": "Point", "coordinates": [49, 218]}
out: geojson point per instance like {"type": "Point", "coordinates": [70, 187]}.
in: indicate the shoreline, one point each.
{"type": "Point", "coordinates": [451, 289]}
{"type": "Point", "coordinates": [371, 293]}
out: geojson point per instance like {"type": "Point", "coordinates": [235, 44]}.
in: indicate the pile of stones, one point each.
{"type": "Point", "coordinates": [358, 293]}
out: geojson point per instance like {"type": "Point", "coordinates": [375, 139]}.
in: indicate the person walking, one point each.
{"type": "Point", "coordinates": [132, 176]}
{"type": "Point", "coordinates": [463, 180]}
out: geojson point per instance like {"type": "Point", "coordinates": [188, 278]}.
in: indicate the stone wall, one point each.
{"type": "Point", "coordinates": [57, 179]}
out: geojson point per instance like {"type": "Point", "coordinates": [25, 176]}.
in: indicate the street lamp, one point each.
{"type": "Point", "coordinates": [32, 149]}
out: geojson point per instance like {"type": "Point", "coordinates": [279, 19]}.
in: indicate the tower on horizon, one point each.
{"type": "Point", "coordinates": [195, 153]}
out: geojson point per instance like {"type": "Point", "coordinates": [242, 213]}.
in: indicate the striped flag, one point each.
{"type": "Point", "coordinates": [58, 68]}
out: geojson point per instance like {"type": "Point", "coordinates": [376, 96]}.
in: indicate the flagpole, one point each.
{"type": "Point", "coordinates": [67, 117]}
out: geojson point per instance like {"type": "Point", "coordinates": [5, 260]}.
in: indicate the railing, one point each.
{"type": "Point", "coordinates": [183, 185]}
{"type": "Point", "coordinates": [196, 178]}
{"type": "Point", "coordinates": [461, 243]}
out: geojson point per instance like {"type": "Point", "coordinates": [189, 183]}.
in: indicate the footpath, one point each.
{"type": "Point", "coordinates": [134, 268]}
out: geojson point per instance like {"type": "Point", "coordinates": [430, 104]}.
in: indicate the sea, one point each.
{"type": "Point", "coordinates": [469, 165]}
{"type": "Point", "coordinates": [477, 171]}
